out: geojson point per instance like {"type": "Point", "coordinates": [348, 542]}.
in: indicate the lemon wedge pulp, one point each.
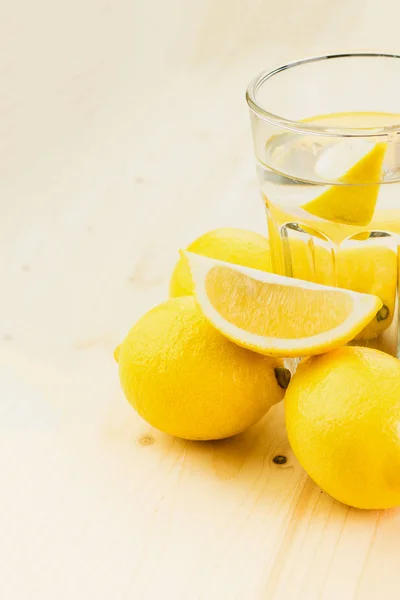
{"type": "Point", "coordinates": [354, 203]}
{"type": "Point", "coordinates": [276, 315]}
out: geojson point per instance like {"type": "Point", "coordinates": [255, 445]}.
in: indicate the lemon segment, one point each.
{"type": "Point", "coordinates": [354, 203]}
{"type": "Point", "coordinates": [276, 315]}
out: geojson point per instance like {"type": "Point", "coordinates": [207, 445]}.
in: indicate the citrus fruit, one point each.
{"type": "Point", "coordinates": [308, 260]}
{"type": "Point", "coordinates": [353, 200]}
{"type": "Point", "coordinates": [276, 315]}
{"type": "Point", "coordinates": [237, 246]}
{"type": "Point", "coordinates": [342, 413]}
{"type": "Point", "coordinates": [371, 270]}
{"type": "Point", "coordinates": [186, 379]}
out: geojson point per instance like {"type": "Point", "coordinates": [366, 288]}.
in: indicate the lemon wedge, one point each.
{"type": "Point", "coordinates": [276, 315]}
{"type": "Point", "coordinates": [354, 203]}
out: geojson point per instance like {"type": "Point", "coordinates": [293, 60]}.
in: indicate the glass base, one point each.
{"type": "Point", "coordinates": [366, 262]}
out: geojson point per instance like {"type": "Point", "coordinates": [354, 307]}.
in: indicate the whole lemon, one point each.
{"type": "Point", "coordinates": [371, 270]}
{"type": "Point", "coordinates": [186, 379]}
{"type": "Point", "coordinates": [237, 246]}
{"type": "Point", "coordinates": [342, 414]}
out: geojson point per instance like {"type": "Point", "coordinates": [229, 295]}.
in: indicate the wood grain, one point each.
{"type": "Point", "coordinates": [123, 135]}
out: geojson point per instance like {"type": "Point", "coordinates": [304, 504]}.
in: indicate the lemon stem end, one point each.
{"type": "Point", "coordinates": [283, 377]}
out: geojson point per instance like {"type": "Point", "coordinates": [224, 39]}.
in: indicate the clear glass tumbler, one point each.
{"type": "Point", "coordinates": [326, 134]}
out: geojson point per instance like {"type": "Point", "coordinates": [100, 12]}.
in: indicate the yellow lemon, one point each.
{"type": "Point", "coordinates": [353, 200]}
{"type": "Point", "coordinates": [306, 260]}
{"type": "Point", "coordinates": [237, 246]}
{"type": "Point", "coordinates": [188, 380]}
{"type": "Point", "coordinates": [276, 315]}
{"type": "Point", "coordinates": [342, 414]}
{"type": "Point", "coordinates": [371, 270]}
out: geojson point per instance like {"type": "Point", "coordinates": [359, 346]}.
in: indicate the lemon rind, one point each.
{"type": "Point", "coordinates": [365, 307]}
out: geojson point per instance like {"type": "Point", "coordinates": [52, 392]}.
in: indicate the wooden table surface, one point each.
{"type": "Point", "coordinates": [123, 135]}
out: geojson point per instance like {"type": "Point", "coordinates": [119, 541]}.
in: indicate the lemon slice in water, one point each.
{"type": "Point", "coordinates": [354, 203]}
{"type": "Point", "coordinates": [276, 315]}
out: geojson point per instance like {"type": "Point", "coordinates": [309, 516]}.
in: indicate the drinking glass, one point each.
{"type": "Point", "coordinates": [326, 134]}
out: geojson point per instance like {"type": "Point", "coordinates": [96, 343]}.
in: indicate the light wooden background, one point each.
{"type": "Point", "coordinates": [123, 135]}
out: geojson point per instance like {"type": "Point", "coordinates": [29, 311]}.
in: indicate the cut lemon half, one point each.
{"type": "Point", "coordinates": [360, 167]}
{"type": "Point", "coordinates": [276, 315]}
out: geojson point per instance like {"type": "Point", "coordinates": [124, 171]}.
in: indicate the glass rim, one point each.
{"type": "Point", "coordinates": [308, 127]}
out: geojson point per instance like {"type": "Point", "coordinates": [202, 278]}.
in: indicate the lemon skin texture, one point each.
{"type": "Point", "coordinates": [236, 246]}
{"type": "Point", "coordinates": [342, 413]}
{"type": "Point", "coordinates": [186, 379]}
